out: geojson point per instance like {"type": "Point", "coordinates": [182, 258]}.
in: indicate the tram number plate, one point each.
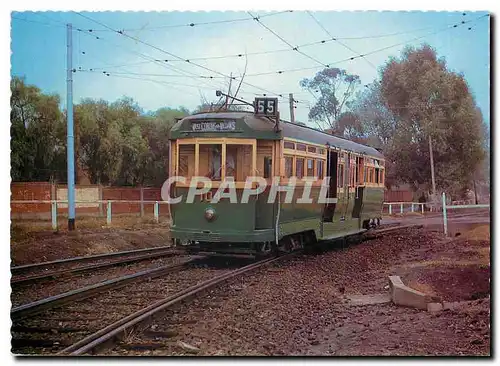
{"type": "Point", "coordinates": [266, 106]}
{"type": "Point", "coordinates": [213, 126]}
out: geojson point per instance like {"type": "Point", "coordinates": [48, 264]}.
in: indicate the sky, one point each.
{"type": "Point", "coordinates": [137, 66]}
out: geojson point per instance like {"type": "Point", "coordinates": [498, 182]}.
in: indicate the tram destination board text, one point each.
{"type": "Point", "coordinates": [213, 126]}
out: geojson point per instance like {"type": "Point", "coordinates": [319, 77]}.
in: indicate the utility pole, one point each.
{"type": "Point", "coordinates": [229, 90]}
{"type": "Point", "coordinates": [292, 112]}
{"type": "Point", "coordinates": [70, 137]}
{"type": "Point", "coordinates": [432, 169]}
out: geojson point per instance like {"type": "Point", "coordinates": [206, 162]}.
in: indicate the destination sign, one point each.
{"type": "Point", "coordinates": [213, 126]}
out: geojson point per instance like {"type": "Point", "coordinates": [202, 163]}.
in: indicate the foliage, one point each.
{"type": "Point", "coordinates": [335, 88]}
{"type": "Point", "coordinates": [38, 144]}
{"type": "Point", "coordinates": [429, 101]}
{"type": "Point", "coordinates": [115, 143]}
{"type": "Point", "coordinates": [417, 97]}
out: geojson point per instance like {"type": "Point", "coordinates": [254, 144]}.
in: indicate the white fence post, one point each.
{"type": "Point", "coordinates": [54, 215]}
{"type": "Point", "coordinates": [157, 219]}
{"type": "Point", "coordinates": [401, 208]}
{"type": "Point", "coordinates": [108, 217]}
{"type": "Point", "coordinates": [422, 206]}
{"type": "Point", "coordinates": [412, 210]}
{"type": "Point", "coordinates": [390, 209]}
{"type": "Point", "coordinates": [445, 218]}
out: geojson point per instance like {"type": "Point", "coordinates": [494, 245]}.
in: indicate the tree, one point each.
{"type": "Point", "coordinates": [335, 88]}
{"type": "Point", "coordinates": [37, 133]}
{"type": "Point", "coordinates": [155, 129]}
{"type": "Point", "coordinates": [429, 101]}
{"type": "Point", "coordinates": [100, 141]}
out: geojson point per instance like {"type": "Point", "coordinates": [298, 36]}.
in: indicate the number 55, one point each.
{"type": "Point", "coordinates": [260, 106]}
{"type": "Point", "coordinates": [270, 107]}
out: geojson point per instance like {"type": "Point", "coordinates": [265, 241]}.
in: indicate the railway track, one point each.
{"type": "Point", "coordinates": [83, 323]}
{"type": "Point", "coordinates": [48, 270]}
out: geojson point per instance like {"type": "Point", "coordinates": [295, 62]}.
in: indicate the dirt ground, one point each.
{"type": "Point", "coordinates": [305, 307]}
{"type": "Point", "coordinates": [32, 244]}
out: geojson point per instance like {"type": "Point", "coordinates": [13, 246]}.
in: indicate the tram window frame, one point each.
{"type": "Point", "coordinates": [268, 166]}
{"type": "Point", "coordinates": [289, 145]}
{"type": "Point", "coordinates": [320, 171]}
{"type": "Point", "coordinates": [288, 164]}
{"type": "Point", "coordinates": [309, 170]}
{"type": "Point", "coordinates": [377, 178]}
{"type": "Point", "coordinates": [301, 147]}
{"type": "Point", "coordinates": [212, 171]}
{"type": "Point", "coordinates": [340, 175]}
{"type": "Point", "coordinates": [302, 160]}
{"type": "Point", "coordinates": [312, 149]}
{"type": "Point", "coordinates": [186, 153]}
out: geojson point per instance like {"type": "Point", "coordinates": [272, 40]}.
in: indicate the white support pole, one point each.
{"type": "Point", "coordinates": [412, 210]}
{"type": "Point", "coordinates": [422, 208]}
{"type": "Point", "coordinates": [390, 209]}
{"type": "Point", "coordinates": [54, 215]}
{"type": "Point", "coordinates": [401, 208]}
{"type": "Point", "coordinates": [108, 217]}
{"type": "Point", "coordinates": [157, 219]}
{"type": "Point", "coordinates": [445, 218]}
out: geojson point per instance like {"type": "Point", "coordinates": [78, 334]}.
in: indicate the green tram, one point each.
{"type": "Point", "coordinates": [241, 144]}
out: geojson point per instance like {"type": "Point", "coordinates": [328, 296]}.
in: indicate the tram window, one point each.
{"type": "Point", "coordinates": [311, 149]}
{"type": "Point", "coordinates": [299, 168]}
{"type": "Point", "coordinates": [340, 175]}
{"type": "Point", "coordinates": [238, 161]}
{"type": "Point", "coordinates": [321, 151]}
{"type": "Point", "coordinates": [301, 147]}
{"type": "Point", "coordinates": [231, 160]}
{"type": "Point", "coordinates": [377, 172]}
{"type": "Point", "coordinates": [319, 163]}
{"type": "Point", "coordinates": [211, 161]}
{"type": "Point", "coordinates": [288, 166]}
{"type": "Point", "coordinates": [289, 145]}
{"type": "Point", "coordinates": [268, 163]}
{"type": "Point", "coordinates": [382, 176]}
{"type": "Point", "coordinates": [186, 160]}
{"type": "Point", "coordinates": [310, 167]}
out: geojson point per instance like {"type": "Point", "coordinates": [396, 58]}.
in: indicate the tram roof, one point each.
{"type": "Point", "coordinates": [291, 130]}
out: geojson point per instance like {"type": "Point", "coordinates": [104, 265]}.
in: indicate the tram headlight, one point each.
{"type": "Point", "coordinates": [210, 214]}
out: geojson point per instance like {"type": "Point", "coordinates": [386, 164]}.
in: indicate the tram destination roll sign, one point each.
{"type": "Point", "coordinates": [213, 126]}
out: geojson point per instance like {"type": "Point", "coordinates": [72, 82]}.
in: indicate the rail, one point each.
{"type": "Point", "coordinates": [402, 204]}
{"type": "Point", "coordinates": [108, 203]}
{"type": "Point", "coordinates": [446, 207]}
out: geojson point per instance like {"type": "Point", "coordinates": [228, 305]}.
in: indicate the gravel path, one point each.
{"type": "Point", "coordinates": [300, 307]}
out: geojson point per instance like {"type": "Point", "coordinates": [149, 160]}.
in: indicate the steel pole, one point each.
{"type": "Point", "coordinates": [70, 137]}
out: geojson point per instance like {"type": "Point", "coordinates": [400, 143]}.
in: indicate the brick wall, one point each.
{"type": "Point", "coordinates": [398, 196]}
{"type": "Point", "coordinates": [42, 191]}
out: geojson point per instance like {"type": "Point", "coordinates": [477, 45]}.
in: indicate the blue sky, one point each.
{"type": "Point", "coordinates": [38, 45]}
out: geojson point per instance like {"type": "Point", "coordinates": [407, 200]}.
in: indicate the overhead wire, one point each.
{"type": "Point", "coordinates": [170, 53]}
{"type": "Point", "coordinates": [256, 18]}
{"type": "Point", "coordinates": [371, 52]}
{"type": "Point", "coordinates": [192, 24]}
{"type": "Point", "coordinates": [339, 42]}
{"type": "Point", "coordinates": [147, 57]}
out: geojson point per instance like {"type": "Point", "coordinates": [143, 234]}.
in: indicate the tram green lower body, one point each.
{"type": "Point", "coordinates": [255, 221]}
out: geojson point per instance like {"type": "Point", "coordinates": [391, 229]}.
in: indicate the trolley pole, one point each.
{"type": "Point", "coordinates": [70, 136]}
{"type": "Point", "coordinates": [292, 113]}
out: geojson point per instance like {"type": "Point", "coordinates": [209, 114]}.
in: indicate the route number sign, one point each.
{"type": "Point", "coordinates": [266, 106]}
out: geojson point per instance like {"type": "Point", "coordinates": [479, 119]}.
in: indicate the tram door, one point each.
{"type": "Point", "coordinates": [359, 187]}
{"type": "Point", "coordinates": [331, 164]}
